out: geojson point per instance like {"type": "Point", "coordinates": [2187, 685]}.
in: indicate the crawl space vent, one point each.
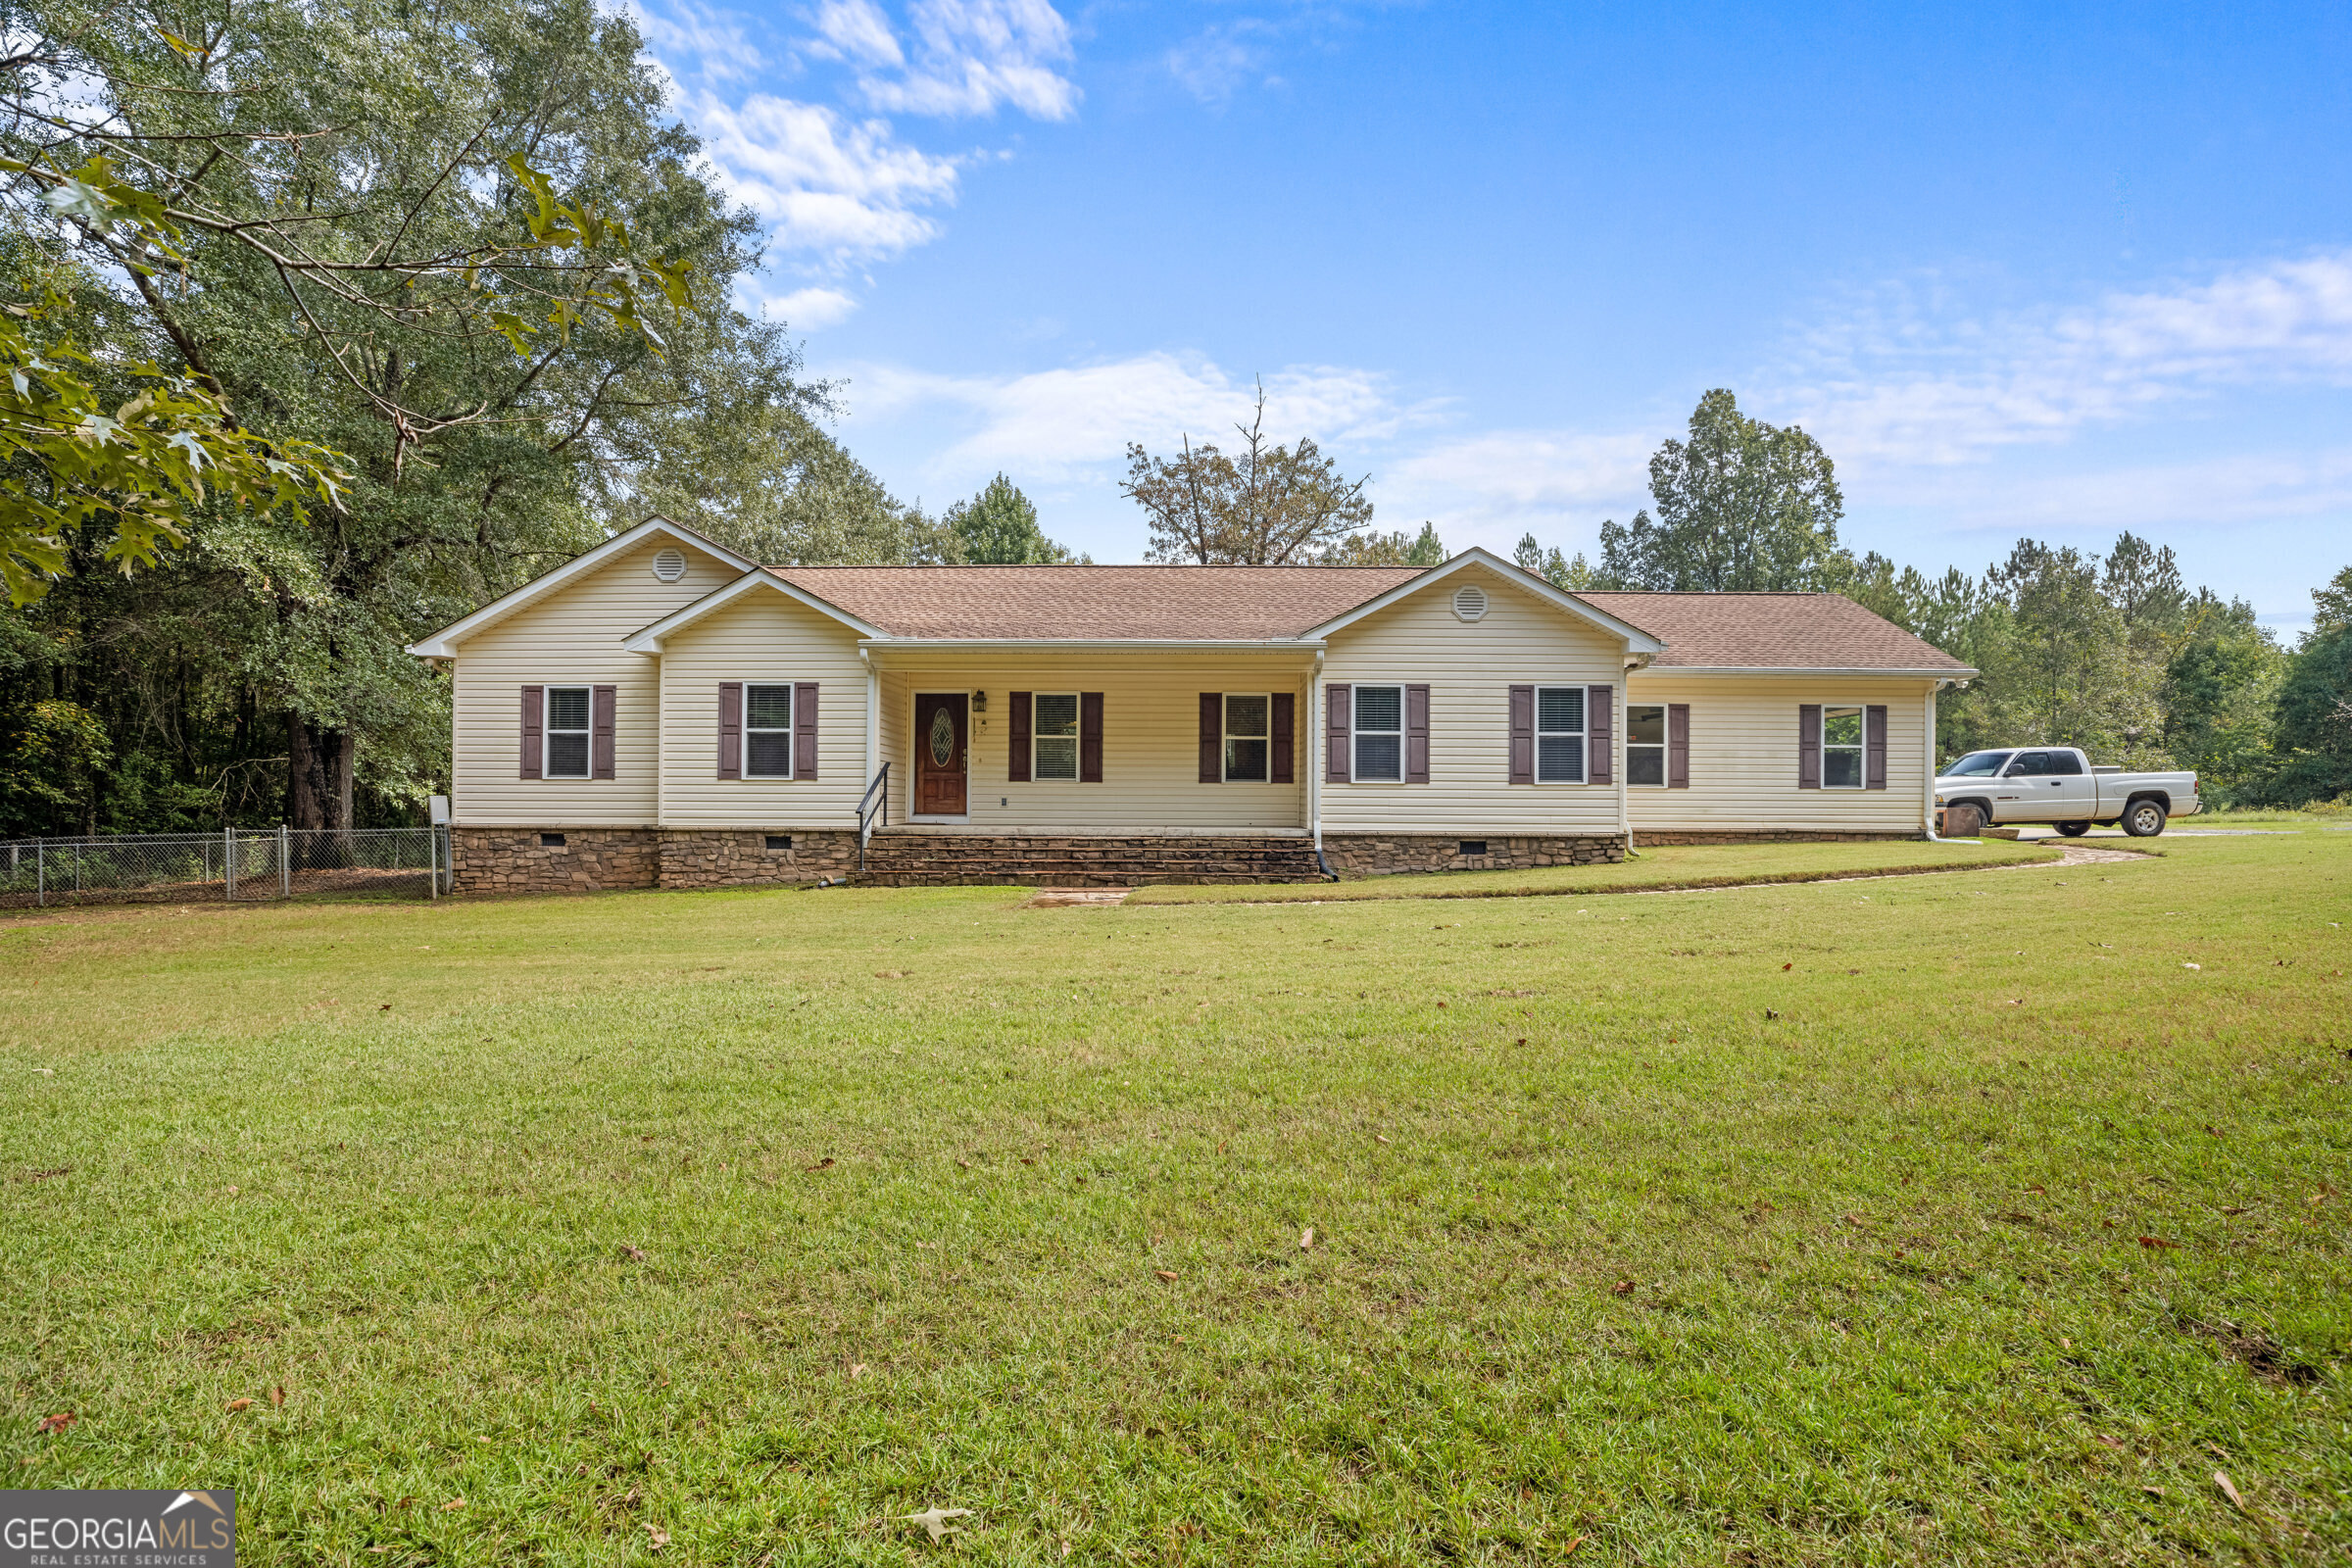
{"type": "Point", "coordinates": [1470, 604]}
{"type": "Point", "coordinates": [669, 565]}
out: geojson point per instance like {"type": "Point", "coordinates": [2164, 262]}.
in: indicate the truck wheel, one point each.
{"type": "Point", "coordinates": [2074, 830]}
{"type": "Point", "coordinates": [2144, 819]}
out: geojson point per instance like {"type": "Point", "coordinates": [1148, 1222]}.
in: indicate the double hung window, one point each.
{"type": "Point", "coordinates": [1645, 743]}
{"type": "Point", "coordinates": [1055, 741]}
{"type": "Point", "coordinates": [1249, 726]}
{"type": "Point", "coordinates": [766, 731]}
{"type": "Point", "coordinates": [1559, 734]}
{"type": "Point", "coordinates": [1840, 748]}
{"type": "Point", "coordinates": [1379, 719]}
{"type": "Point", "coordinates": [566, 732]}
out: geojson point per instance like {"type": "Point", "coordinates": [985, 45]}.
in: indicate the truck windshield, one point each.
{"type": "Point", "coordinates": [1977, 764]}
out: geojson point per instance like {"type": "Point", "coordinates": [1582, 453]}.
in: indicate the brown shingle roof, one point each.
{"type": "Point", "coordinates": [1096, 601]}
{"type": "Point", "coordinates": [1770, 631]}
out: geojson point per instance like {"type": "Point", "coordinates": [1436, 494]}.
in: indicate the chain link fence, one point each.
{"type": "Point", "coordinates": [240, 864]}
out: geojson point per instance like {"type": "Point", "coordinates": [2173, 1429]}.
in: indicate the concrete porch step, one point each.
{"type": "Point", "coordinates": [903, 859]}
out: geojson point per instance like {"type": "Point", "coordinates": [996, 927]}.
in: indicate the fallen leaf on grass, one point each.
{"type": "Point", "coordinates": [655, 1537]}
{"type": "Point", "coordinates": [239, 1405]}
{"type": "Point", "coordinates": [890, 975]}
{"type": "Point", "coordinates": [1306, 1238]}
{"type": "Point", "coordinates": [1771, 1013]}
{"type": "Point", "coordinates": [825, 1163]}
{"type": "Point", "coordinates": [936, 1520]}
{"type": "Point", "coordinates": [2193, 966]}
{"type": "Point", "coordinates": [2157, 1241]}
{"type": "Point", "coordinates": [2154, 1491]}
{"type": "Point", "coordinates": [277, 1395]}
{"type": "Point", "coordinates": [1569, 1550]}
{"type": "Point", "coordinates": [1784, 968]}
{"type": "Point", "coordinates": [1622, 1288]}
{"type": "Point", "coordinates": [2227, 1490]}
{"type": "Point", "coordinates": [856, 1370]}
{"type": "Point", "coordinates": [2112, 1443]}
{"type": "Point", "coordinates": [1166, 1274]}
{"type": "Point", "coordinates": [53, 1424]}
{"type": "Point", "coordinates": [635, 1255]}
{"type": "Point", "coordinates": [1376, 1138]}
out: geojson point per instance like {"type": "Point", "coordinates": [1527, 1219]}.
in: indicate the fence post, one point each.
{"type": "Point", "coordinates": [41, 874]}
{"type": "Point", "coordinates": [285, 874]}
{"type": "Point", "coordinates": [229, 863]}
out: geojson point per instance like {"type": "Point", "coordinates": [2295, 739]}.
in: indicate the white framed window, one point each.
{"type": "Point", "coordinates": [566, 733]}
{"type": "Point", "coordinates": [1053, 737]}
{"type": "Point", "coordinates": [1248, 733]}
{"type": "Point", "coordinates": [1840, 748]}
{"type": "Point", "coordinates": [1559, 734]}
{"type": "Point", "coordinates": [768, 729]}
{"type": "Point", "coordinates": [1378, 715]}
{"type": "Point", "coordinates": [1646, 744]}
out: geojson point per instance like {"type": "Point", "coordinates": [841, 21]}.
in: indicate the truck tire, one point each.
{"type": "Point", "coordinates": [2144, 819]}
{"type": "Point", "coordinates": [2074, 830]}
{"type": "Point", "coordinates": [1963, 821]}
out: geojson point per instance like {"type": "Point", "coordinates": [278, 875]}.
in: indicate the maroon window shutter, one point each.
{"type": "Point", "coordinates": [1417, 734]}
{"type": "Point", "coordinates": [1677, 746]}
{"type": "Point", "coordinates": [730, 729]}
{"type": "Point", "coordinates": [1212, 737]}
{"type": "Point", "coordinates": [1335, 761]}
{"type": "Point", "coordinates": [1874, 747]}
{"type": "Point", "coordinates": [1016, 755]}
{"type": "Point", "coordinates": [1283, 721]}
{"type": "Point", "coordinates": [1808, 746]}
{"type": "Point", "coordinates": [533, 700]}
{"type": "Point", "coordinates": [1522, 734]}
{"type": "Point", "coordinates": [803, 729]}
{"type": "Point", "coordinates": [1600, 710]}
{"type": "Point", "coordinates": [1089, 737]}
{"type": "Point", "coordinates": [604, 700]}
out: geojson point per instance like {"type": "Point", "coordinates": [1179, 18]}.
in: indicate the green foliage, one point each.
{"type": "Point", "coordinates": [2313, 742]}
{"type": "Point", "coordinates": [998, 527]}
{"type": "Point", "coordinates": [1268, 506]}
{"type": "Point", "coordinates": [1741, 505]}
{"type": "Point", "coordinates": [54, 749]}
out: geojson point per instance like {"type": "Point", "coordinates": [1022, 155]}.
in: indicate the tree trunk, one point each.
{"type": "Point", "coordinates": [318, 774]}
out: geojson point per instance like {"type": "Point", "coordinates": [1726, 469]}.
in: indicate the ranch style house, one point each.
{"type": "Point", "coordinates": [661, 713]}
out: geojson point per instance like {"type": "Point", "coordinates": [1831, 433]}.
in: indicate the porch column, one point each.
{"type": "Point", "coordinates": [1310, 726]}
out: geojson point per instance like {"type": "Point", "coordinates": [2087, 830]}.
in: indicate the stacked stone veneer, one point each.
{"type": "Point", "coordinates": [1643, 837]}
{"type": "Point", "coordinates": [729, 860]}
{"type": "Point", "coordinates": [603, 859]}
{"type": "Point", "coordinates": [1384, 854]}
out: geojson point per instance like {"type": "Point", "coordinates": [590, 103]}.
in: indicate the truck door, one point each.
{"type": "Point", "coordinates": [2034, 789]}
{"type": "Point", "coordinates": [2074, 789]}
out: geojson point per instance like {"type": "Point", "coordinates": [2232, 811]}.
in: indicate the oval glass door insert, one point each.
{"type": "Point", "coordinates": [943, 737]}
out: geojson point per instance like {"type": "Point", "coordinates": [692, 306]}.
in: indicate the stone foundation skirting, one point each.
{"type": "Point", "coordinates": [1645, 838]}
{"type": "Point", "coordinates": [606, 860]}
{"type": "Point", "coordinates": [1384, 854]}
{"type": "Point", "coordinates": [735, 859]}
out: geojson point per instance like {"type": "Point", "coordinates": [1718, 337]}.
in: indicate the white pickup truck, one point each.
{"type": "Point", "coordinates": [2059, 785]}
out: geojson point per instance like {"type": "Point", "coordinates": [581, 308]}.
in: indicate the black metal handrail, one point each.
{"type": "Point", "coordinates": [876, 802]}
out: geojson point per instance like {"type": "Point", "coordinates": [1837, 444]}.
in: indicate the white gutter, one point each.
{"type": "Point", "coordinates": [1209, 645]}
{"type": "Point", "coordinates": [1948, 676]}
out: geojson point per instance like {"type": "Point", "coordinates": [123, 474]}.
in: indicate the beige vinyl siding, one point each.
{"type": "Point", "coordinates": [1470, 669]}
{"type": "Point", "coordinates": [572, 637]}
{"type": "Point", "coordinates": [761, 637]}
{"type": "Point", "coordinates": [1151, 739]}
{"type": "Point", "coordinates": [1743, 755]}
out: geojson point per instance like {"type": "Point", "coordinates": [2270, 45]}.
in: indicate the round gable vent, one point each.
{"type": "Point", "coordinates": [669, 565]}
{"type": "Point", "coordinates": [1470, 604]}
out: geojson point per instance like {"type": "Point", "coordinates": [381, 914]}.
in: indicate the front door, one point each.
{"type": "Point", "coordinates": [942, 723]}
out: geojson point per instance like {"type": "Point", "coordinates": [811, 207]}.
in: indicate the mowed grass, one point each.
{"type": "Point", "coordinates": [1663, 867]}
{"type": "Point", "coordinates": [729, 1227]}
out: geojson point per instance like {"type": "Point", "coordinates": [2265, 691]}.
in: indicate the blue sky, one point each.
{"type": "Point", "coordinates": [2043, 269]}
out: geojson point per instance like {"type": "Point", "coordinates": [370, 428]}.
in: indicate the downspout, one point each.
{"type": "Point", "coordinates": [1623, 724]}
{"type": "Point", "coordinates": [1927, 788]}
{"type": "Point", "coordinates": [873, 739]}
{"type": "Point", "coordinates": [1314, 763]}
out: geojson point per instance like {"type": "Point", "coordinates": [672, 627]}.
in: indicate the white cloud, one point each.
{"type": "Point", "coordinates": [1218, 61]}
{"type": "Point", "coordinates": [695, 43]}
{"type": "Point", "coordinates": [1055, 424]}
{"type": "Point", "coordinates": [969, 57]}
{"type": "Point", "coordinates": [828, 186]}
{"type": "Point", "coordinates": [809, 310]}
{"type": "Point", "coordinates": [1906, 380]}
{"type": "Point", "coordinates": [1508, 482]}
{"type": "Point", "coordinates": [857, 31]}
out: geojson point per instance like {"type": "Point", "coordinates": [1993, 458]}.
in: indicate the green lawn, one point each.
{"type": "Point", "coordinates": [726, 1227]}
{"type": "Point", "coordinates": [1667, 866]}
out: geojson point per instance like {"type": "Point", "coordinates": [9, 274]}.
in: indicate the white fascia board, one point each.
{"type": "Point", "coordinates": [649, 641]}
{"type": "Point", "coordinates": [443, 644]}
{"type": "Point", "coordinates": [1663, 671]}
{"type": "Point", "coordinates": [1636, 639]}
{"type": "Point", "coordinates": [1210, 645]}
